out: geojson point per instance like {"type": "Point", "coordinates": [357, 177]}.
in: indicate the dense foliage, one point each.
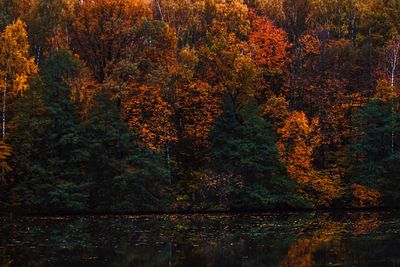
{"type": "Point", "coordinates": [178, 105]}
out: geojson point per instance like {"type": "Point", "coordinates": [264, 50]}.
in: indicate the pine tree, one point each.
{"type": "Point", "coordinates": [246, 149]}
{"type": "Point", "coordinates": [123, 176]}
{"type": "Point", "coordinates": [46, 135]}
{"type": "Point", "coordinates": [374, 160]}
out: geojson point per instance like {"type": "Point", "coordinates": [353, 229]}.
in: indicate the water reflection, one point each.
{"type": "Point", "coordinates": [295, 239]}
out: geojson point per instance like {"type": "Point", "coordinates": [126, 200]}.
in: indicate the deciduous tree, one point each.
{"type": "Point", "coordinates": [149, 115]}
{"type": "Point", "coordinates": [16, 65]}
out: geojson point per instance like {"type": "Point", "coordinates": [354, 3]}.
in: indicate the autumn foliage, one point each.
{"type": "Point", "coordinates": [270, 44]}
{"type": "Point", "coordinates": [298, 139]}
{"type": "Point", "coordinates": [198, 104]}
{"type": "Point", "coordinates": [150, 117]}
{"type": "Point", "coordinates": [364, 196]}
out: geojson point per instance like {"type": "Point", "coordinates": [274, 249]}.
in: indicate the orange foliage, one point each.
{"type": "Point", "coordinates": [102, 29]}
{"type": "Point", "coordinates": [5, 153]}
{"type": "Point", "coordinates": [310, 45]}
{"type": "Point", "coordinates": [198, 105]}
{"type": "Point", "coordinates": [366, 224]}
{"type": "Point", "coordinates": [270, 44]}
{"type": "Point", "coordinates": [301, 253]}
{"type": "Point", "coordinates": [364, 196]}
{"type": "Point", "coordinates": [298, 138]}
{"type": "Point", "coordinates": [83, 89]}
{"type": "Point", "coordinates": [149, 116]}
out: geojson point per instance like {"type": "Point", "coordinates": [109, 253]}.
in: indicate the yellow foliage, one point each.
{"type": "Point", "coordinates": [16, 65]}
{"type": "Point", "coordinates": [234, 16]}
{"type": "Point", "coordinates": [276, 109]}
{"type": "Point", "coordinates": [385, 91]}
{"type": "Point", "coordinates": [298, 139]}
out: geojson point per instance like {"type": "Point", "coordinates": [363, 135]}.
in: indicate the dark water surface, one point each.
{"type": "Point", "coordinates": [271, 239]}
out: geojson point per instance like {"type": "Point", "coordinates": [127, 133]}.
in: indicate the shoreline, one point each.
{"type": "Point", "coordinates": [199, 212]}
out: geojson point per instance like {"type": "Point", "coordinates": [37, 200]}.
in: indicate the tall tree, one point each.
{"type": "Point", "coordinates": [149, 115]}
{"type": "Point", "coordinates": [16, 65]}
{"type": "Point", "coordinates": [374, 159]}
{"type": "Point", "coordinates": [245, 152]}
{"type": "Point", "coordinates": [46, 136]}
{"type": "Point", "coordinates": [123, 175]}
{"type": "Point", "coordinates": [270, 44]}
{"type": "Point", "coordinates": [298, 138]}
{"type": "Point", "coordinates": [102, 29]}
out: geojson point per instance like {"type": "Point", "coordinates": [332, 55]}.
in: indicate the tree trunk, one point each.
{"type": "Point", "coordinates": [4, 125]}
{"type": "Point", "coordinates": [4, 110]}
{"type": "Point", "coordinates": [169, 164]}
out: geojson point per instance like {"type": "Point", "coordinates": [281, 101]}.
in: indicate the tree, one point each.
{"type": "Point", "coordinates": [16, 66]}
{"type": "Point", "coordinates": [187, 17]}
{"type": "Point", "coordinates": [298, 138]}
{"type": "Point", "coordinates": [233, 16]}
{"type": "Point", "coordinates": [43, 20]}
{"type": "Point", "coordinates": [374, 159]}
{"type": "Point", "coordinates": [48, 150]}
{"type": "Point", "coordinates": [123, 176]}
{"type": "Point", "coordinates": [102, 29]}
{"type": "Point", "coordinates": [228, 65]}
{"type": "Point", "coordinates": [197, 106]}
{"type": "Point", "coordinates": [297, 13]}
{"type": "Point", "coordinates": [149, 115]}
{"type": "Point", "coordinates": [270, 44]}
{"type": "Point", "coordinates": [391, 64]}
{"type": "Point", "coordinates": [156, 54]}
{"type": "Point", "coordinates": [246, 151]}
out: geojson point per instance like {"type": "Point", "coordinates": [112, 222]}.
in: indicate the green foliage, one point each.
{"type": "Point", "coordinates": [4, 16]}
{"type": "Point", "coordinates": [164, 69]}
{"type": "Point", "coordinates": [123, 176]}
{"type": "Point", "coordinates": [245, 147]}
{"type": "Point", "coordinates": [376, 150]}
{"type": "Point", "coordinates": [46, 142]}
{"type": "Point", "coordinates": [64, 165]}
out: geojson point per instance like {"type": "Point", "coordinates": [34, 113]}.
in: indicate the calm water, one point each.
{"type": "Point", "coordinates": [294, 239]}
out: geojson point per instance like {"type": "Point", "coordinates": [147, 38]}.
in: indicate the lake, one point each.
{"type": "Point", "coordinates": [270, 239]}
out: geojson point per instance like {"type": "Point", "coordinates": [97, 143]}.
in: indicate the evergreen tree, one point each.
{"type": "Point", "coordinates": [124, 177]}
{"type": "Point", "coordinates": [245, 147]}
{"type": "Point", "coordinates": [376, 150]}
{"type": "Point", "coordinates": [47, 144]}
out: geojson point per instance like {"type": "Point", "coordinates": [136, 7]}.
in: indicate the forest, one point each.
{"type": "Point", "coordinates": [128, 106]}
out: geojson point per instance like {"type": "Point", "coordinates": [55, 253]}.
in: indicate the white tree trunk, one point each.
{"type": "Point", "coordinates": [4, 110]}
{"type": "Point", "coordinates": [394, 62]}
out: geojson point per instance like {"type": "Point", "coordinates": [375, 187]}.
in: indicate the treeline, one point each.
{"type": "Point", "coordinates": [176, 105]}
